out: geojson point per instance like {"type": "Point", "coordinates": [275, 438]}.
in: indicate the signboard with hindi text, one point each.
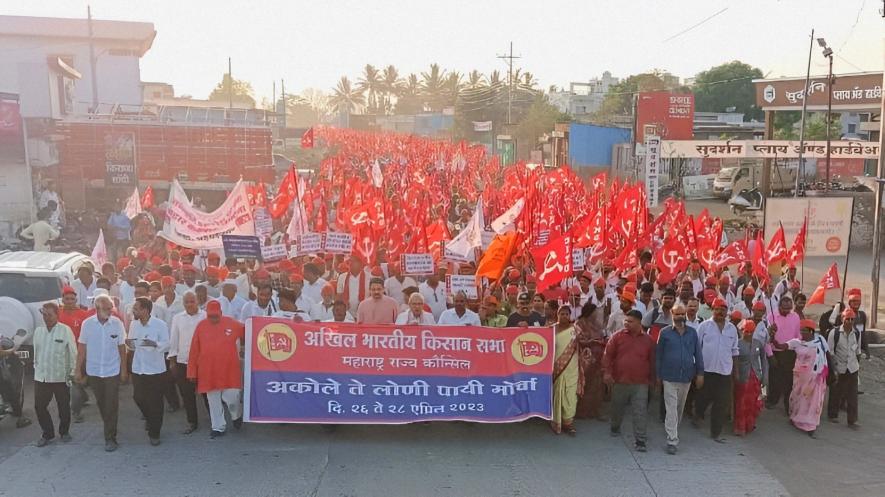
{"type": "Point", "coordinates": [272, 253]}
{"type": "Point", "coordinates": [343, 373]}
{"type": "Point", "coordinates": [310, 243]}
{"type": "Point", "coordinates": [578, 262]}
{"type": "Point", "coordinates": [337, 243]}
{"type": "Point", "coordinates": [190, 227]}
{"type": "Point", "coordinates": [829, 222]}
{"type": "Point", "coordinates": [417, 264]}
{"type": "Point", "coordinates": [119, 151]}
{"type": "Point", "coordinates": [462, 283]}
{"type": "Point", "coordinates": [652, 168]}
{"type": "Point", "coordinates": [767, 149]}
{"type": "Point", "coordinates": [241, 247]}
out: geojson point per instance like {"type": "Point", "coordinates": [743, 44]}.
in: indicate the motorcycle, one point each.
{"type": "Point", "coordinates": [746, 200]}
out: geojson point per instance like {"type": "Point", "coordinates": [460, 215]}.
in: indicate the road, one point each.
{"type": "Point", "coordinates": [444, 459]}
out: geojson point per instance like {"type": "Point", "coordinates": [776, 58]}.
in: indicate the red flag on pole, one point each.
{"type": "Point", "coordinates": [307, 139]}
{"type": "Point", "coordinates": [829, 281]}
{"type": "Point", "coordinates": [147, 200]}
{"type": "Point", "coordinates": [777, 247]}
{"type": "Point", "coordinates": [286, 193]}
{"type": "Point", "coordinates": [760, 265]}
{"type": "Point", "coordinates": [797, 251]}
{"type": "Point", "coordinates": [553, 262]}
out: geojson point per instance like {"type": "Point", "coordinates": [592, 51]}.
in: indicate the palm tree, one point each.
{"type": "Point", "coordinates": [371, 83]}
{"type": "Point", "coordinates": [475, 80]}
{"type": "Point", "coordinates": [346, 98]}
{"type": "Point", "coordinates": [495, 78]}
{"type": "Point", "coordinates": [409, 96]}
{"type": "Point", "coordinates": [528, 81]}
{"type": "Point", "coordinates": [452, 87]}
{"type": "Point", "coordinates": [433, 85]}
{"type": "Point", "coordinates": [391, 83]}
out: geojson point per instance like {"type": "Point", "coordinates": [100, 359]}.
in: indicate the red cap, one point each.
{"type": "Point", "coordinates": [142, 255]}
{"type": "Point", "coordinates": [718, 302]}
{"type": "Point", "coordinates": [152, 276]}
{"type": "Point", "coordinates": [749, 291]}
{"type": "Point", "coordinates": [167, 281]}
{"type": "Point", "coordinates": [749, 326]}
{"type": "Point", "coordinates": [599, 282]}
{"type": "Point", "coordinates": [213, 308]}
{"type": "Point", "coordinates": [213, 256]}
{"type": "Point", "coordinates": [759, 306]}
{"type": "Point", "coordinates": [156, 260]}
{"type": "Point", "coordinates": [122, 262]}
{"type": "Point", "coordinates": [725, 279]}
{"type": "Point", "coordinates": [586, 275]}
{"type": "Point", "coordinates": [286, 264]}
{"type": "Point", "coordinates": [711, 280]}
{"type": "Point", "coordinates": [296, 277]}
{"type": "Point", "coordinates": [709, 296]}
{"type": "Point", "coordinates": [513, 274]}
{"type": "Point", "coordinates": [629, 297]}
{"type": "Point", "coordinates": [262, 274]}
{"type": "Point", "coordinates": [512, 290]}
{"type": "Point", "coordinates": [328, 290]}
{"type": "Point", "coordinates": [68, 289]}
{"type": "Point", "coordinates": [736, 315]}
{"type": "Point", "coordinates": [854, 294]}
{"type": "Point", "coordinates": [188, 267]}
{"type": "Point", "coordinates": [631, 276]}
{"type": "Point", "coordinates": [807, 324]}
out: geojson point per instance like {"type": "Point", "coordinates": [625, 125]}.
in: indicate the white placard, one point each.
{"type": "Point", "coordinates": [337, 243]}
{"type": "Point", "coordinates": [271, 253]}
{"type": "Point", "coordinates": [462, 283]}
{"type": "Point", "coordinates": [310, 243]}
{"type": "Point", "coordinates": [417, 264]}
{"type": "Point", "coordinates": [578, 259]}
{"type": "Point", "coordinates": [263, 222]}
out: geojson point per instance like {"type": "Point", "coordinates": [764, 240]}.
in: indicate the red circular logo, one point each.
{"type": "Point", "coordinates": [833, 244]}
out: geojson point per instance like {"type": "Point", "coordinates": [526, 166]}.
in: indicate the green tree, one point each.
{"type": "Point", "coordinates": [409, 99]}
{"type": "Point", "coordinates": [433, 84]}
{"type": "Point", "coordinates": [619, 99]}
{"type": "Point", "coordinates": [815, 126]}
{"type": "Point", "coordinates": [538, 119]}
{"type": "Point", "coordinates": [390, 87]}
{"type": "Point", "coordinates": [242, 91]}
{"type": "Point", "coordinates": [728, 85]}
{"type": "Point", "coordinates": [371, 84]}
{"type": "Point", "coordinates": [346, 98]}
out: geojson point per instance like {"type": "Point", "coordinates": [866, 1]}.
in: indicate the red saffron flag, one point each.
{"type": "Point", "coordinates": [497, 256]}
{"type": "Point", "coordinates": [757, 258]}
{"type": "Point", "coordinates": [829, 281]}
{"type": "Point", "coordinates": [797, 251]}
{"type": "Point", "coordinates": [287, 192]}
{"type": "Point", "coordinates": [307, 139]}
{"type": "Point", "coordinates": [777, 247]}
{"type": "Point", "coordinates": [147, 200]}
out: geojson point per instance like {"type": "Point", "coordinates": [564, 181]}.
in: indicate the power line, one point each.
{"type": "Point", "coordinates": [694, 26]}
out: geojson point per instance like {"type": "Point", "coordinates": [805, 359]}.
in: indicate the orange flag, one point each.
{"type": "Point", "coordinates": [829, 281]}
{"type": "Point", "coordinates": [497, 256]}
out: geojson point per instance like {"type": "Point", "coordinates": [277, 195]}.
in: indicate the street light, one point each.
{"type": "Point", "coordinates": [828, 53]}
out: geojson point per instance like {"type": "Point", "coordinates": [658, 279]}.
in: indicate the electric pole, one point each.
{"type": "Point", "coordinates": [230, 86]}
{"type": "Point", "coordinates": [92, 60]}
{"type": "Point", "coordinates": [509, 59]}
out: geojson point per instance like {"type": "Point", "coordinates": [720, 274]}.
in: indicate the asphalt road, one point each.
{"type": "Point", "coordinates": [444, 459]}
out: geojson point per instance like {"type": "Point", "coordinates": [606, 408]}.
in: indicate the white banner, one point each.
{"type": "Point", "coordinates": [192, 228]}
{"type": "Point", "coordinates": [507, 222]}
{"type": "Point", "coordinates": [829, 222]}
{"type": "Point", "coordinates": [417, 264]}
{"type": "Point", "coordinates": [271, 253]}
{"type": "Point", "coordinates": [652, 161]}
{"type": "Point", "coordinates": [462, 283]}
{"type": "Point", "coordinates": [337, 243]}
{"type": "Point", "coordinates": [482, 125]}
{"type": "Point", "coordinates": [767, 149]}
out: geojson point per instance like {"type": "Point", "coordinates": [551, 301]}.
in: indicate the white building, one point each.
{"type": "Point", "coordinates": [583, 98]}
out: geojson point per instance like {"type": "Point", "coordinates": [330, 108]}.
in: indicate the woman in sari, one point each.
{"type": "Point", "coordinates": [809, 378]}
{"type": "Point", "coordinates": [591, 338]}
{"type": "Point", "coordinates": [752, 373]}
{"type": "Point", "coordinates": [568, 379]}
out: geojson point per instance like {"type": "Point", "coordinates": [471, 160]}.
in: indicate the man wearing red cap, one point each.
{"type": "Point", "coordinates": [72, 315]}
{"type": "Point", "coordinates": [189, 279]}
{"type": "Point", "coordinates": [724, 291]}
{"type": "Point", "coordinates": [616, 318]}
{"type": "Point", "coordinates": [397, 282]}
{"type": "Point", "coordinates": [353, 286]}
{"type": "Point", "coordinates": [213, 289]}
{"type": "Point", "coordinates": [745, 305]}
{"type": "Point", "coordinates": [784, 324]}
{"type": "Point", "coordinates": [214, 364]}
{"type": "Point", "coordinates": [322, 311]}
{"type": "Point", "coordinates": [719, 344]}
{"type": "Point", "coordinates": [845, 345]}
{"type": "Point", "coordinates": [833, 319]}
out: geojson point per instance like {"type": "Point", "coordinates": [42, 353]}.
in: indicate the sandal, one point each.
{"type": "Point", "coordinates": [570, 430]}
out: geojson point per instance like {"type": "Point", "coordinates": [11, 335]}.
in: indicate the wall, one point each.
{"type": "Point", "coordinates": [591, 145]}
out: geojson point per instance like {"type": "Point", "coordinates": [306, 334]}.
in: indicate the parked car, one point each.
{"type": "Point", "coordinates": [27, 281]}
{"type": "Point", "coordinates": [731, 180]}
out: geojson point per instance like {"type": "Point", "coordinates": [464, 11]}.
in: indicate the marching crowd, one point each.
{"type": "Point", "coordinates": [172, 321]}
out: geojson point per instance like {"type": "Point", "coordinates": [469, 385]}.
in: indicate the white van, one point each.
{"type": "Point", "coordinates": [731, 180]}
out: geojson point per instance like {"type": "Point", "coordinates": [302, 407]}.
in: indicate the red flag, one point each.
{"type": "Point", "coordinates": [757, 258]}
{"type": "Point", "coordinates": [287, 192]}
{"type": "Point", "coordinates": [307, 139]}
{"type": "Point", "coordinates": [147, 200]}
{"type": "Point", "coordinates": [599, 181]}
{"type": "Point", "coordinates": [829, 281]}
{"type": "Point", "coordinates": [777, 247]}
{"type": "Point", "coordinates": [797, 251]}
{"type": "Point", "coordinates": [735, 253]}
{"type": "Point", "coordinates": [257, 195]}
{"type": "Point", "coordinates": [670, 259]}
{"type": "Point", "coordinates": [553, 262]}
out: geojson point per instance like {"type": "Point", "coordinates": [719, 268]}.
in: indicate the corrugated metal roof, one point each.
{"type": "Point", "coordinates": [142, 33]}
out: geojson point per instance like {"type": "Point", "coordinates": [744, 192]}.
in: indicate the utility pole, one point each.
{"type": "Point", "coordinates": [877, 221]}
{"type": "Point", "coordinates": [283, 93]}
{"type": "Point", "coordinates": [92, 60]}
{"type": "Point", "coordinates": [509, 59]}
{"type": "Point", "coordinates": [230, 86]}
{"type": "Point", "coordinates": [801, 171]}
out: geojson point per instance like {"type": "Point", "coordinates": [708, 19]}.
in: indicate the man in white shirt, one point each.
{"type": "Point", "coordinates": [353, 286]}
{"type": "Point", "coordinates": [100, 354]}
{"type": "Point", "coordinates": [434, 294]}
{"type": "Point", "coordinates": [169, 304]}
{"type": "Point", "coordinates": [459, 314]}
{"type": "Point", "coordinates": [41, 232]}
{"type": "Point", "coordinates": [231, 303]}
{"type": "Point", "coordinates": [313, 283]}
{"type": "Point", "coordinates": [322, 311]}
{"type": "Point", "coordinates": [127, 287]}
{"type": "Point", "coordinates": [189, 279]}
{"type": "Point", "coordinates": [262, 306]}
{"type": "Point", "coordinates": [181, 334]}
{"type": "Point", "coordinates": [287, 307]}
{"type": "Point", "coordinates": [396, 283]}
{"type": "Point", "coordinates": [84, 285]}
{"type": "Point", "coordinates": [149, 339]}
{"type": "Point", "coordinates": [303, 302]}
{"type": "Point", "coordinates": [415, 314]}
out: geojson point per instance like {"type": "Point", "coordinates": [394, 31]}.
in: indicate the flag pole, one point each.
{"type": "Point", "coordinates": [847, 256]}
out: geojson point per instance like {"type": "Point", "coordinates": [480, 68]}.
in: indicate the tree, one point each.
{"type": "Point", "coordinates": [242, 91]}
{"type": "Point", "coordinates": [346, 98]}
{"type": "Point", "coordinates": [409, 98]}
{"type": "Point", "coordinates": [390, 87]}
{"type": "Point", "coordinates": [433, 85]}
{"type": "Point", "coordinates": [619, 99]}
{"type": "Point", "coordinates": [475, 80]}
{"type": "Point", "coordinates": [452, 88]}
{"type": "Point", "coordinates": [728, 85]}
{"type": "Point", "coordinates": [371, 83]}
{"type": "Point", "coordinates": [815, 126]}
{"type": "Point", "coordinates": [539, 118]}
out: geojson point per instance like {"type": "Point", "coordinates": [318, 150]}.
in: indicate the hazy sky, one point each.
{"type": "Point", "coordinates": [313, 43]}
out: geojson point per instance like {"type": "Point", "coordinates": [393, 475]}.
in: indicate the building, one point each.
{"type": "Point", "coordinates": [583, 98]}
{"type": "Point", "coordinates": [163, 94]}
{"type": "Point", "coordinates": [726, 125]}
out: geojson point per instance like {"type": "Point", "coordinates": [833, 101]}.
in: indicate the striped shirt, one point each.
{"type": "Point", "coordinates": [55, 354]}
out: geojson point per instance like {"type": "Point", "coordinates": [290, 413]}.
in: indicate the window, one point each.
{"type": "Point", "coordinates": [27, 289]}
{"type": "Point", "coordinates": [852, 128]}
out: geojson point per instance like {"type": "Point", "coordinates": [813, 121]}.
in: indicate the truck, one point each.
{"type": "Point", "coordinates": [731, 180]}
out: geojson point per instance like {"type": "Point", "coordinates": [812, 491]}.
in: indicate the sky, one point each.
{"type": "Point", "coordinates": [311, 44]}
